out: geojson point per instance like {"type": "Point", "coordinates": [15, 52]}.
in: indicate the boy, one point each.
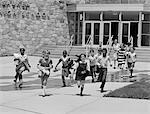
{"type": "Point", "coordinates": [44, 66]}
{"type": "Point", "coordinates": [92, 61]}
{"type": "Point", "coordinates": [103, 64]}
{"type": "Point", "coordinates": [131, 59]}
{"type": "Point", "coordinates": [22, 64]}
{"type": "Point", "coordinates": [98, 68]}
{"type": "Point", "coordinates": [66, 65]}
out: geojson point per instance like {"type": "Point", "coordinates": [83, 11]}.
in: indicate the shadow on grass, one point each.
{"type": "Point", "coordinates": [137, 90]}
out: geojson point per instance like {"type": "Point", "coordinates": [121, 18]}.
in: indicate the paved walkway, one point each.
{"type": "Point", "coordinates": [63, 100]}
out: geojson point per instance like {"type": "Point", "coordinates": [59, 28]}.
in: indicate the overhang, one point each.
{"type": "Point", "coordinates": [108, 7]}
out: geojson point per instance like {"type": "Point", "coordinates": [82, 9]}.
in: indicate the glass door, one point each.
{"type": "Point", "coordinates": [88, 31]}
{"type": "Point", "coordinates": [125, 32]}
{"type": "Point", "coordinates": [106, 32]}
{"type": "Point", "coordinates": [96, 33]}
{"type": "Point", "coordinates": [92, 28]}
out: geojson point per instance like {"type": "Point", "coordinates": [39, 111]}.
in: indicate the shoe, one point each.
{"type": "Point", "coordinates": [92, 80]}
{"type": "Point", "coordinates": [81, 94]}
{"type": "Point", "coordinates": [15, 81]}
{"type": "Point", "coordinates": [102, 90]}
{"type": "Point", "coordinates": [64, 86]}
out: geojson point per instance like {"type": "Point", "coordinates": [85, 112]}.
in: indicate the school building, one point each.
{"type": "Point", "coordinates": [49, 24]}
{"type": "Point", "coordinates": [104, 19]}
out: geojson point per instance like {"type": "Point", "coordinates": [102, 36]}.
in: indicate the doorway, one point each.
{"type": "Point", "coordinates": [134, 32]}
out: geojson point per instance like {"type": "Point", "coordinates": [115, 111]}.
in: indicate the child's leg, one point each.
{"type": "Point", "coordinates": [92, 73]}
{"type": "Point", "coordinates": [82, 87]}
{"type": "Point", "coordinates": [44, 85]}
{"type": "Point", "coordinates": [63, 77]}
{"type": "Point", "coordinates": [78, 83]}
{"type": "Point", "coordinates": [103, 79]}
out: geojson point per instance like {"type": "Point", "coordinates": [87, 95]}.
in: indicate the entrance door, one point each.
{"type": "Point", "coordinates": [125, 32]}
{"type": "Point", "coordinates": [93, 29]}
{"type": "Point", "coordinates": [134, 32]}
{"type": "Point", "coordinates": [96, 33]}
{"type": "Point", "coordinates": [88, 31]}
{"type": "Point", "coordinates": [106, 32]}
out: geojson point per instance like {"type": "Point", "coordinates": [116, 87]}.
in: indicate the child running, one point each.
{"type": "Point", "coordinates": [66, 65]}
{"type": "Point", "coordinates": [82, 69]}
{"type": "Point", "coordinates": [131, 59]}
{"type": "Point", "coordinates": [44, 66]}
{"type": "Point", "coordinates": [92, 60]}
{"type": "Point", "coordinates": [116, 47]}
{"type": "Point", "coordinates": [98, 68]}
{"type": "Point", "coordinates": [104, 64]}
{"type": "Point", "coordinates": [121, 58]}
{"type": "Point", "coordinates": [22, 64]}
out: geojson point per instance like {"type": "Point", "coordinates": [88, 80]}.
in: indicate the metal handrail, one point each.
{"type": "Point", "coordinates": [88, 44]}
{"type": "Point", "coordinates": [70, 45]}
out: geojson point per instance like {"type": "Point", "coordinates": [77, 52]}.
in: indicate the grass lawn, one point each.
{"type": "Point", "coordinates": [137, 90]}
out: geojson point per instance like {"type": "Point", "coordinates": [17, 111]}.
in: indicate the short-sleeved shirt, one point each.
{"type": "Point", "coordinates": [131, 57]}
{"type": "Point", "coordinates": [103, 61]}
{"type": "Point", "coordinates": [65, 61]}
{"type": "Point", "coordinates": [21, 58]}
{"type": "Point", "coordinates": [92, 60]}
{"type": "Point", "coordinates": [45, 63]}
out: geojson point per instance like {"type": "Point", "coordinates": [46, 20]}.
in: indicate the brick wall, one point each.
{"type": "Point", "coordinates": [32, 23]}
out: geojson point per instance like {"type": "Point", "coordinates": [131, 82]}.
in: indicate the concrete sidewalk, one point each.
{"type": "Point", "coordinates": [63, 100]}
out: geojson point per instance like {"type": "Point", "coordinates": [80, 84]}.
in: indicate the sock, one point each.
{"type": "Point", "coordinates": [44, 90]}
{"type": "Point", "coordinates": [81, 91]}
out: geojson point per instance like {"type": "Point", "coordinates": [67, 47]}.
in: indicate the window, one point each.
{"type": "Point", "coordinates": [92, 16]}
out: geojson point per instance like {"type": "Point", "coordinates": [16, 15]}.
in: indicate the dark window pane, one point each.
{"type": "Point", "coordinates": [92, 16]}
{"type": "Point", "coordinates": [130, 16]}
{"type": "Point", "coordinates": [145, 40]}
{"type": "Point", "coordinates": [110, 16]}
{"type": "Point", "coordinates": [145, 28]}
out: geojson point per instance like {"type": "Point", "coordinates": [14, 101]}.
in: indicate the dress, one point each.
{"type": "Point", "coordinates": [43, 63]}
{"type": "Point", "coordinates": [81, 72]}
{"type": "Point", "coordinates": [115, 50]}
{"type": "Point", "coordinates": [121, 57]}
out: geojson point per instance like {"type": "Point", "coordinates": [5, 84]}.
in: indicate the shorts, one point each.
{"type": "Point", "coordinates": [131, 65]}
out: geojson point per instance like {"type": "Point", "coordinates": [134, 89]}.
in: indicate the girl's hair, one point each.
{"type": "Point", "coordinates": [104, 49]}
{"type": "Point", "coordinates": [82, 54]}
{"type": "Point", "coordinates": [79, 57]}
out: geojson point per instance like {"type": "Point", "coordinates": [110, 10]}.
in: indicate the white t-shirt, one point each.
{"type": "Point", "coordinates": [131, 57]}
{"type": "Point", "coordinates": [92, 60]}
{"type": "Point", "coordinates": [103, 61]}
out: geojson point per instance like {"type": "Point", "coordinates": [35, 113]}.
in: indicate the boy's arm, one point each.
{"type": "Point", "coordinates": [109, 61]}
{"type": "Point", "coordinates": [58, 63]}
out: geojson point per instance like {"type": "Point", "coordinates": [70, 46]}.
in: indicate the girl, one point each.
{"type": "Point", "coordinates": [116, 47]}
{"type": "Point", "coordinates": [22, 64]}
{"type": "Point", "coordinates": [92, 60]}
{"type": "Point", "coordinates": [44, 66]}
{"type": "Point", "coordinates": [121, 58]}
{"type": "Point", "coordinates": [82, 69]}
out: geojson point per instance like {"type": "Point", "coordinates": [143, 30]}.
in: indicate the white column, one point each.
{"type": "Point", "coordinates": [140, 29]}
{"type": "Point", "coordinates": [120, 28]}
{"type": "Point", "coordinates": [83, 30]}
{"type": "Point", "coordinates": [101, 28]}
